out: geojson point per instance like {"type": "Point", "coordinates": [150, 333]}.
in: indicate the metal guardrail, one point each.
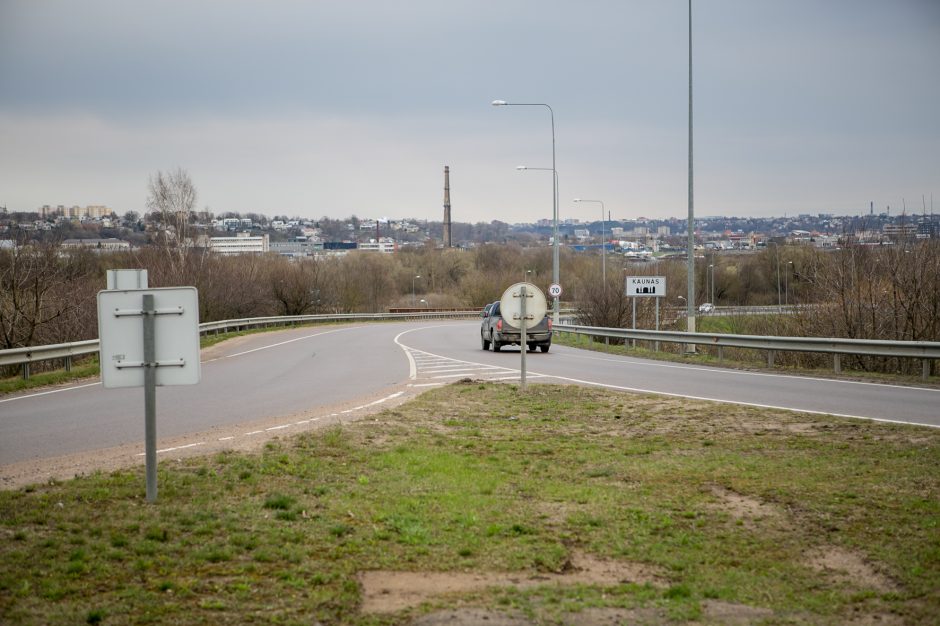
{"type": "Point", "coordinates": [66, 351]}
{"type": "Point", "coordinates": [926, 350]}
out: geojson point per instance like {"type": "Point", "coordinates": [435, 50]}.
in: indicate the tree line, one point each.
{"type": "Point", "coordinates": [47, 293]}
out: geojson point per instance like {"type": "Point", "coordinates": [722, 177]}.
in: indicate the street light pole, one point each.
{"type": "Point", "coordinates": [786, 282]}
{"type": "Point", "coordinates": [777, 255]}
{"type": "Point", "coordinates": [503, 103]}
{"type": "Point", "coordinates": [413, 290]}
{"type": "Point", "coordinates": [690, 300]}
{"type": "Point", "coordinates": [603, 241]}
{"type": "Point", "coordinates": [711, 268]}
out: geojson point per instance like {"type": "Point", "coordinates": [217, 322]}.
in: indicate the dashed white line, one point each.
{"type": "Point", "coordinates": [174, 449]}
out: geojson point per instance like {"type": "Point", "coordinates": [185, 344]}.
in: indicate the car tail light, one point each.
{"type": "Point", "coordinates": [549, 323]}
{"type": "Point", "coordinates": [499, 325]}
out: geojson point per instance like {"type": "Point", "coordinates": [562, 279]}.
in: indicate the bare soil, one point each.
{"type": "Point", "coordinates": [391, 591]}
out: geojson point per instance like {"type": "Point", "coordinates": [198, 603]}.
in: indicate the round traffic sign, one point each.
{"type": "Point", "coordinates": [554, 290]}
{"type": "Point", "coordinates": [510, 305]}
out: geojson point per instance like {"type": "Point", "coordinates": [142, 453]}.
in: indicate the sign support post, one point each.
{"type": "Point", "coordinates": [150, 395]}
{"type": "Point", "coordinates": [519, 312]}
{"type": "Point", "coordinates": [149, 337]}
{"type": "Point", "coordinates": [633, 341]}
{"type": "Point", "coordinates": [645, 287]}
{"type": "Point", "coordinates": [656, 346]}
{"type": "Point", "coordinates": [524, 322]}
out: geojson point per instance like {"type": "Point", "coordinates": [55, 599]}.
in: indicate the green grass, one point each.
{"type": "Point", "coordinates": [45, 379]}
{"type": "Point", "coordinates": [483, 478]}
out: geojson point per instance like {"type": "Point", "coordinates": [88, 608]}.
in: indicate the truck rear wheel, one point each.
{"type": "Point", "coordinates": [545, 347]}
{"type": "Point", "coordinates": [486, 344]}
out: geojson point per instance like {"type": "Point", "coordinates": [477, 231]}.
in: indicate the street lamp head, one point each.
{"type": "Point", "coordinates": [498, 103]}
{"type": "Point", "coordinates": [521, 167]}
{"type": "Point", "coordinates": [577, 200]}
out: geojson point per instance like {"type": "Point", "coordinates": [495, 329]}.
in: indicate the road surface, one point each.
{"type": "Point", "coordinates": [288, 379]}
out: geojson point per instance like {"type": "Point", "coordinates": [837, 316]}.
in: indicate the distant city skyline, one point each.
{"type": "Point", "coordinates": [337, 109]}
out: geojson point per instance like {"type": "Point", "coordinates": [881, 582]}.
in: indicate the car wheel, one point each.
{"type": "Point", "coordinates": [496, 346]}
{"type": "Point", "coordinates": [486, 344]}
{"type": "Point", "coordinates": [545, 347]}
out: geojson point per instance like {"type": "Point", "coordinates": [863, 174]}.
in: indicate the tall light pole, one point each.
{"type": "Point", "coordinates": [711, 268]}
{"type": "Point", "coordinates": [786, 283]}
{"type": "Point", "coordinates": [690, 300]}
{"type": "Point", "coordinates": [503, 103]}
{"type": "Point", "coordinates": [413, 290]}
{"type": "Point", "coordinates": [777, 257]}
{"type": "Point", "coordinates": [603, 241]}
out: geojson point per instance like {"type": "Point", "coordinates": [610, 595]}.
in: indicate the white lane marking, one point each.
{"type": "Point", "coordinates": [737, 402]}
{"type": "Point", "coordinates": [281, 427]}
{"type": "Point", "coordinates": [425, 384]}
{"type": "Point", "coordinates": [226, 438]}
{"type": "Point", "coordinates": [721, 370]}
{"type": "Point", "coordinates": [46, 393]}
{"type": "Point", "coordinates": [282, 343]}
{"type": "Point", "coordinates": [679, 395]}
{"type": "Point", "coordinates": [229, 356]}
{"type": "Point", "coordinates": [165, 450]}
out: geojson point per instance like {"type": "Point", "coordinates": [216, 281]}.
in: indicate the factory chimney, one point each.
{"type": "Point", "coordinates": [448, 242]}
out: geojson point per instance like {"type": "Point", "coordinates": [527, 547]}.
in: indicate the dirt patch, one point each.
{"type": "Point", "coordinates": [389, 591]}
{"type": "Point", "coordinates": [715, 611]}
{"type": "Point", "coordinates": [743, 507]}
{"type": "Point", "coordinates": [616, 617]}
{"type": "Point", "coordinates": [850, 569]}
{"type": "Point", "coordinates": [556, 513]}
{"type": "Point", "coordinates": [471, 617]}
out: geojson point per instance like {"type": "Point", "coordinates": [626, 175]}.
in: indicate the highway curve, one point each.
{"type": "Point", "coordinates": [266, 384]}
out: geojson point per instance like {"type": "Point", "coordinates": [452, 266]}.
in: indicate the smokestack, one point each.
{"type": "Point", "coordinates": [447, 240]}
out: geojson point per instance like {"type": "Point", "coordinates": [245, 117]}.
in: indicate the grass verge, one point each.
{"type": "Point", "coordinates": [805, 519]}
{"type": "Point", "coordinates": [707, 356]}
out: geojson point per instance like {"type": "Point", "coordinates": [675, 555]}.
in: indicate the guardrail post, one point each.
{"type": "Point", "coordinates": [721, 354]}
{"type": "Point", "coordinates": [25, 371]}
{"type": "Point", "coordinates": [68, 364]}
{"type": "Point", "coordinates": [925, 371]}
{"type": "Point", "coordinates": [837, 363]}
{"type": "Point", "coordinates": [770, 358]}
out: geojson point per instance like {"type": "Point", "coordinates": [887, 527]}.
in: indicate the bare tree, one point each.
{"type": "Point", "coordinates": [172, 197]}
{"type": "Point", "coordinates": [45, 296]}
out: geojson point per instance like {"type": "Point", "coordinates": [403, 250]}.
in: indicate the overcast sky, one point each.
{"type": "Point", "coordinates": [345, 107]}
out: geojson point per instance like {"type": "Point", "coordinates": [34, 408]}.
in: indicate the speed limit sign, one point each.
{"type": "Point", "coordinates": [554, 290]}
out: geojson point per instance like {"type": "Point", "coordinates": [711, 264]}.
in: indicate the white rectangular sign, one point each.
{"type": "Point", "coordinates": [176, 335]}
{"type": "Point", "coordinates": [646, 286]}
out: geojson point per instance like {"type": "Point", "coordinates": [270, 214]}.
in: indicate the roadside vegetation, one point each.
{"type": "Point", "coordinates": [549, 506]}
{"type": "Point", "coordinates": [891, 292]}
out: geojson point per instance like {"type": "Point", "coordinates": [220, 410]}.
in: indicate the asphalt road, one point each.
{"type": "Point", "coordinates": [295, 371]}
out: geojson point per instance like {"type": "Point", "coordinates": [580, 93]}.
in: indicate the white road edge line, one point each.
{"type": "Point", "coordinates": [721, 370]}
{"type": "Point", "coordinates": [281, 343]}
{"type": "Point", "coordinates": [274, 345]}
{"type": "Point", "coordinates": [165, 450]}
{"type": "Point", "coordinates": [737, 402]}
{"type": "Point", "coordinates": [679, 395]}
{"type": "Point", "coordinates": [46, 393]}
